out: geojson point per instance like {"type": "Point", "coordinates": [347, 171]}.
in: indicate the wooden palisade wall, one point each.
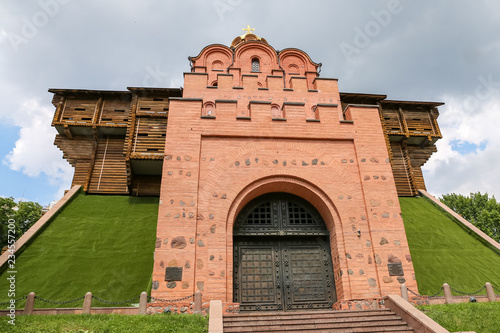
{"type": "Point", "coordinates": [115, 139]}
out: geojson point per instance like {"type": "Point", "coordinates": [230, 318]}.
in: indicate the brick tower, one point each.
{"type": "Point", "coordinates": [277, 192]}
{"type": "Point", "coordinates": [273, 195]}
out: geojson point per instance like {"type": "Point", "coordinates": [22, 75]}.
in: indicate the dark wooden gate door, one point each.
{"type": "Point", "coordinates": [282, 256]}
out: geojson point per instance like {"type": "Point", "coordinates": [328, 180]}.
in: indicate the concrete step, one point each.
{"type": "Point", "coordinates": [383, 320]}
{"type": "Point", "coordinates": [312, 315]}
{"type": "Point", "coordinates": [325, 320]}
{"type": "Point", "coordinates": [385, 327]}
{"type": "Point", "coordinates": [398, 329]}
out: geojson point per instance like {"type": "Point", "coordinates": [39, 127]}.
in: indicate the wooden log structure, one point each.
{"type": "Point", "coordinates": [115, 140]}
{"type": "Point", "coordinates": [411, 131]}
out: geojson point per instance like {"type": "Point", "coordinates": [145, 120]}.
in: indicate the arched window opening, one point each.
{"type": "Point", "coordinates": [276, 111]}
{"type": "Point", "coordinates": [255, 65]}
{"type": "Point", "coordinates": [217, 65]}
{"type": "Point", "coordinates": [314, 112]}
{"type": "Point", "coordinates": [293, 69]}
{"type": "Point", "coordinates": [208, 109]}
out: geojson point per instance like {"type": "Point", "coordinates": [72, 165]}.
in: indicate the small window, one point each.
{"type": "Point", "coordinates": [276, 111]}
{"type": "Point", "coordinates": [209, 109]}
{"type": "Point", "coordinates": [293, 69]}
{"type": "Point", "coordinates": [315, 112]}
{"type": "Point", "coordinates": [255, 65]}
{"type": "Point", "coordinates": [217, 65]}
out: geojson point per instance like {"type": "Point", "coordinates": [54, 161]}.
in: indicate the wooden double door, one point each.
{"type": "Point", "coordinates": [282, 256]}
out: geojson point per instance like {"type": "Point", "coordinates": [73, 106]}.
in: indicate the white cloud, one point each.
{"type": "Point", "coordinates": [415, 57]}
{"type": "Point", "coordinates": [470, 119]}
{"type": "Point", "coordinates": [34, 152]}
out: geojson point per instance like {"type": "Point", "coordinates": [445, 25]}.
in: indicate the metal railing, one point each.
{"type": "Point", "coordinates": [447, 292]}
{"type": "Point", "coordinates": [143, 299]}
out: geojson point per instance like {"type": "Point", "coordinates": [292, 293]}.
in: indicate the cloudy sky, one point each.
{"type": "Point", "coordinates": [446, 51]}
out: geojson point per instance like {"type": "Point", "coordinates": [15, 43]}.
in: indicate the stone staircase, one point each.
{"type": "Point", "coordinates": [383, 320]}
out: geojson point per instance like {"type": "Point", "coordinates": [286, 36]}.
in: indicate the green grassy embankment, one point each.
{"type": "Point", "coordinates": [443, 251]}
{"type": "Point", "coordinates": [101, 244]}
{"type": "Point", "coordinates": [107, 323]}
{"type": "Point", "coordinates": [477, 317]}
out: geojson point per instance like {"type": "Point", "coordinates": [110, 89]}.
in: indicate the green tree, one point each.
{"type": "Point", "coordinates": [478, 209]}
{"type": "Point", "coordinates": [22, 215]}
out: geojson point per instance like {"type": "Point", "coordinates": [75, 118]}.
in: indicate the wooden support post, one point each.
{"type": "Point", "coordinates": [197, 302]}
{"type": "Point", "coordinates": [490, 292]}
{"type": "Point", "coordinates": [386, 135]}
{"type": "Point", "coordinates": [131, 129]}
{"type": "Point", "coordinates": [433, 113]}
{"type": "Point", "coordinates": [404, 292]}
{"type": "Point", "coordinates": [426, 141]}
{"type": "Point", "coordinates": [448, 299]}
{"type": "Point", "coordinates": [68, 132]}
{"type": "Point", "coordinates": [95, 143]}
{"type": "Point", "coordinates": [143, 303]}
{"type": "Point", "coordinates": [30, 304]}
{"type": "Point", "coordinates": [59, 110]}
{"type": "Point", "coordinates": [402, 119]}
{"type": "Point", "coordinates": [96, 118]}
{"type": "Point", "coordinates": [87, 303]}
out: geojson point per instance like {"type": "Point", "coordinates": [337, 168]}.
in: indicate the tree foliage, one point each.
{"type": "Point", "coordinates": [22, 215]}
{"type": "Point", "coordinates": [478, 209]}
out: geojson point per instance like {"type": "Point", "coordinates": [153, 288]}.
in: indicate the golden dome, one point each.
{"type": "Point", "coordinates": [248, 36]}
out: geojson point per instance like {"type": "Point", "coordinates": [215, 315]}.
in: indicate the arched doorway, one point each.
{"type": "Point", "coordinates": [282, 257]}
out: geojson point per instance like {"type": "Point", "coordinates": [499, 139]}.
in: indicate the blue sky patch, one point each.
{"type": "Point", "coordinates": [466, 147]}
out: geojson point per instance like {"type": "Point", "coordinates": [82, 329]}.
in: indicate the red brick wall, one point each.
{"type": "Point", "coordinates": [213, 167]}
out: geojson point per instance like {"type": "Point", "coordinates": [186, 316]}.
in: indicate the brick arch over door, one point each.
{"type": "Point", "coordinates": [299, 187]}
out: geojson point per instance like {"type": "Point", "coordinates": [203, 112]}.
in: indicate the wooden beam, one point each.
{"type": "Point", "coordinates": [68, 132]}
{"type": "Point", "coordinates": [425, 142]}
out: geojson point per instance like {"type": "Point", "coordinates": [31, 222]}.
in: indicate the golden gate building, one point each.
{"type": "Point", "coordinates": [277, 192]}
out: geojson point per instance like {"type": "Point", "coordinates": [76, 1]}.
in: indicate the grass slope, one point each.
{"type": "Point", "coordinates": [107, 323]}
{"type": "Point", "coordinates": [101, 244]}
{"type": "Point", "coordinates": [478, 317]}
{"type": "Point", "coordinates": [443, 251]}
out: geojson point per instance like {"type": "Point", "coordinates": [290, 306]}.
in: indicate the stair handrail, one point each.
{"type": "Point", "coordinates": [490, 241]}
{"type": "Point", "coordinates": [415, 319]}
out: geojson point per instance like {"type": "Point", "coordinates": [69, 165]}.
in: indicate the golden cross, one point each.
{"type": "Point", "coordinates": [248, 30]}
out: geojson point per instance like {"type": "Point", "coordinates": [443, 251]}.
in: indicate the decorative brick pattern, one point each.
{"type": "Point", "coordinates": [342, 168]}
